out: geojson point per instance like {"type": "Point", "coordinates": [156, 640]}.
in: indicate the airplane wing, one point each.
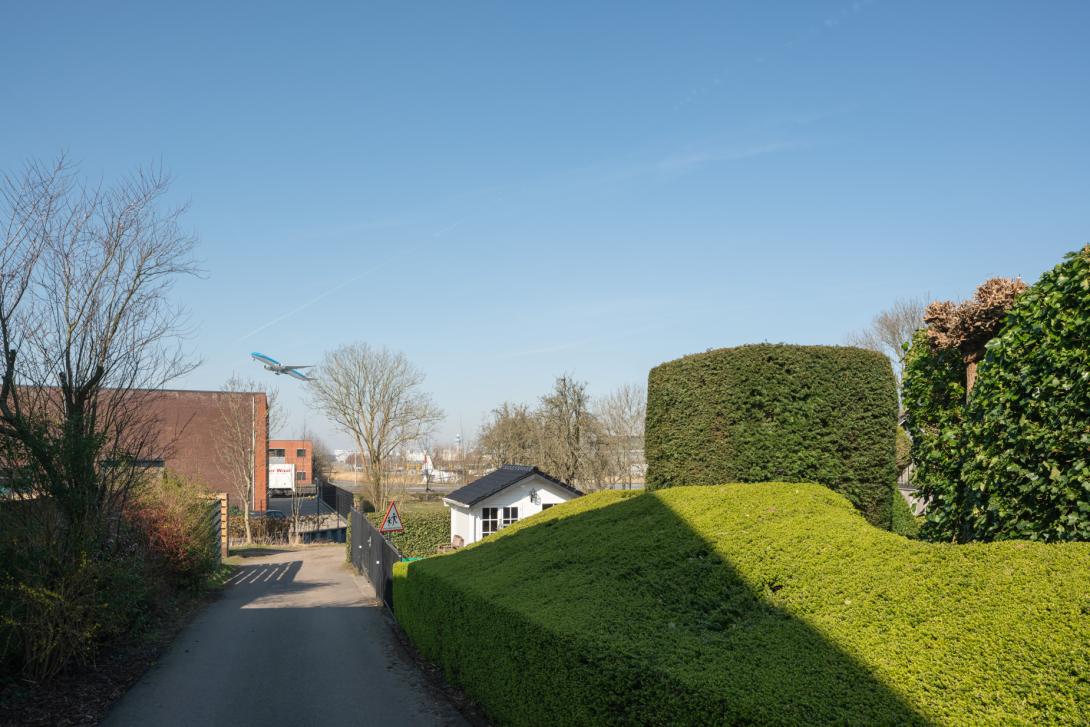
{"type": "Point", "coordinates": [288, 366]}
{"type": "Point", "coordinates": [296, 375]}
{"type": "Point", "coordinates": [264, 359]}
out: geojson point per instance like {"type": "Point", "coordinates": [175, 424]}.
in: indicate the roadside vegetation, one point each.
{"type": "Point", "coordinates": [751, 604]}
{"type": "Point", "coordinates": [425, 530]}
{"type": "Point", "coordinates": [97, 545]}
{"type": "Point", "coordinates": [59, 620]}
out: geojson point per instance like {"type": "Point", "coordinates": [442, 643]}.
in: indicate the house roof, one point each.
{"type": "Point", "coordinates": [501, 479]}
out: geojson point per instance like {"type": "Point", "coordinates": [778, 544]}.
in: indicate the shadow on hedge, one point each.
{"type": "Point", "coordinates": [624, 615]}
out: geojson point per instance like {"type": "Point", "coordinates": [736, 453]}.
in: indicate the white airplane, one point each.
{"type": "Point", "coordinates": [433, 475]}
{"type": "Point", "coordinates": [271, 364]}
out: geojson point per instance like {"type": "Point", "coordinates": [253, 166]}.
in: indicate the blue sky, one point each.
{"type": "Point", "coordinates": [510, 191]}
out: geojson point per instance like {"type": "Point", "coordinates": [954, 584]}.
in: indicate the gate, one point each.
{"type": "Point", "coordinates": [374, 556]}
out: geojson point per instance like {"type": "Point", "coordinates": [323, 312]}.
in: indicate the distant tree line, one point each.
{"type": "Point", "coordinates": [584, 442]}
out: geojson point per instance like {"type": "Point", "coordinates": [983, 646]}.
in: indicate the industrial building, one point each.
{"type": "Point", "coordinates": [194, 429]}
{"type": "Point", "coordinates": [291, 466]}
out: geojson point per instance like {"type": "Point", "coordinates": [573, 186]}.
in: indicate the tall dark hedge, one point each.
{"type": "Point", "coordinates": [1014, 461]}
{"type": "Point", "coordinates": [764, 412]}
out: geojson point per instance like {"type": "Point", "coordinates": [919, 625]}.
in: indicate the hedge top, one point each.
{"type": "Point", "coordinates": [782, 603]}
{"type": "Point", "coordinates": [825, 414]}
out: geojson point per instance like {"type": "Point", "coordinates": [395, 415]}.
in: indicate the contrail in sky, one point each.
{"type": "Point", "coordinates": [325, 294]}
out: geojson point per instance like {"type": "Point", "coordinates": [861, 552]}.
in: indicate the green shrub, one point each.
{"type": "Point", "coordinates": [1014, 461]}
{"type": "Point", "coordinates": [1029, 437]}
{"type": "Point", "coordinates": [824, 414]}
{"type": "Point", "coordinates": [174, 515]}
{"type": "Point", "coordinates": [57, 611]}
{"type": "Point", "coordinates": [904, 521]}
{"type": "Point", "coordinates": [904, 449]}
{"type": "Point", "coordinates": [425, 531]}
{"type": "Point", "coordinates": [751, 604]}
{"type": "Point", "coordinates": [934, 399]}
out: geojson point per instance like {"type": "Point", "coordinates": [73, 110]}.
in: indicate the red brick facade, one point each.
{"type": "Point", "coordinates": [299, 452]}
{"type": "Point", "coordinates": [192, 422]}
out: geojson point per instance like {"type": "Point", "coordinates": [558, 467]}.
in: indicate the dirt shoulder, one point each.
{"type": "Point", "coordinates": [84, 696]}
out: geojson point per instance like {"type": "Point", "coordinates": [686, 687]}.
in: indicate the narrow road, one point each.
{"type": "Point", "coordinates": [296, 639]}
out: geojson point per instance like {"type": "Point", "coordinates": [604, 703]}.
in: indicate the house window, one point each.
{"type": "Point", "coordinates": [547, 505]}
{"type": "Point", "coordinates": [510, 515]}
{"type": "Point", "coordinates": [490, 520]}
{"type": "Point", "coordinates": [300, 476]}
{"type": "Point", "coordinates": [276, 453]}
{"type": "Point", "coordinates": [301, 453]}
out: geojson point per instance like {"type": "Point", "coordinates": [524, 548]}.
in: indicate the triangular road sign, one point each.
{"type": "Point", "coordinates": [392, 522]}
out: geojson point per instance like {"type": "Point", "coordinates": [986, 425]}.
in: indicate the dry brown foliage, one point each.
{"type": "Point", "coordinates": [968, 325]}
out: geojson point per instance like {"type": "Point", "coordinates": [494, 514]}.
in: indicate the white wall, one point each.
{"type": "Point", "coordinates": [461, 523]}
{"type": "Point", "coordinates": [467, 523]}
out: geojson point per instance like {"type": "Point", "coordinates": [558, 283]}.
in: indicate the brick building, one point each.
{"type": "Point", "coordinates": [299, 453]}
{"type": "Point", "coordinates": [193, 423]}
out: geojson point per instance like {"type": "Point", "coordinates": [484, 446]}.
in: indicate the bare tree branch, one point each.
{"type": "Point", "coordinates": [621, 414]}
{"type": "Point", "coordinates": [374, 395]}
{"type": "Point", "coordinates": [891, 330]}
{"type": "Point", "coordinates": [87, 330]}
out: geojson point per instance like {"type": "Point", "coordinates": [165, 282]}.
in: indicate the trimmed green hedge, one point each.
{"type": "Point", "coordinates": [424, 532]}
{"type": "Point", "coordinates": [751, 604]}
{"type": "Point", "coordinates": [824, 414]}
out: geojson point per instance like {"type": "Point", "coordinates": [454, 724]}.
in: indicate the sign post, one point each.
{"type": "Point", "coordinates": [392, 522]}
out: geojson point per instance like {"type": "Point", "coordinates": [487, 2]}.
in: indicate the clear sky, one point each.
{"type": "Point", "coordinates": [510, 191]}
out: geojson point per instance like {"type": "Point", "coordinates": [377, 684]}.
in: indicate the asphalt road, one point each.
{"type": "Point", "coordinates": [296, 639]}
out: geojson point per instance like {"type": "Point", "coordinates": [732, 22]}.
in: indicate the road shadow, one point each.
{"type": "Point", "coordinates": [282, 573]}
{"type": "Point", "coordinates": [250, 552]}
{"type": "Point", "coordinates": [641, 615]}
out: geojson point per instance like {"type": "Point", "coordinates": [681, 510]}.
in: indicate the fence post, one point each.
{"type": "Point", "coordinates": [225, 532]}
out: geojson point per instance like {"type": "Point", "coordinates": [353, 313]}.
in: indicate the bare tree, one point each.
{"type": "Point", "coordinates": [238, 443]}
{"type": "Point", "coordinates": [374, 395]}
{"type": "Point", "coordinates": [512, 436]}
{"type": "Point", "coordinates": [892, 329]}
{"type": "Point", "coordinates": [571, 436]}
{"type": "Point", "coordinates": [621, 414]}
{"type": "Point", "coordinates": [322, 460]}
{"type": "Point", "coordinates": [87, 330]}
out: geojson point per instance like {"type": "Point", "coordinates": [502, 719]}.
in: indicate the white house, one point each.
{"type": "Point", "coordinates": [501, 497]}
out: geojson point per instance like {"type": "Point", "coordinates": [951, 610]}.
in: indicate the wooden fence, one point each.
{"type": "Point", "coordinates": [217, 523]}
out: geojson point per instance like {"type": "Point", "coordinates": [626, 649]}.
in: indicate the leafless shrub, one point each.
{"type": "Point", "coordinates": [969, 325]}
